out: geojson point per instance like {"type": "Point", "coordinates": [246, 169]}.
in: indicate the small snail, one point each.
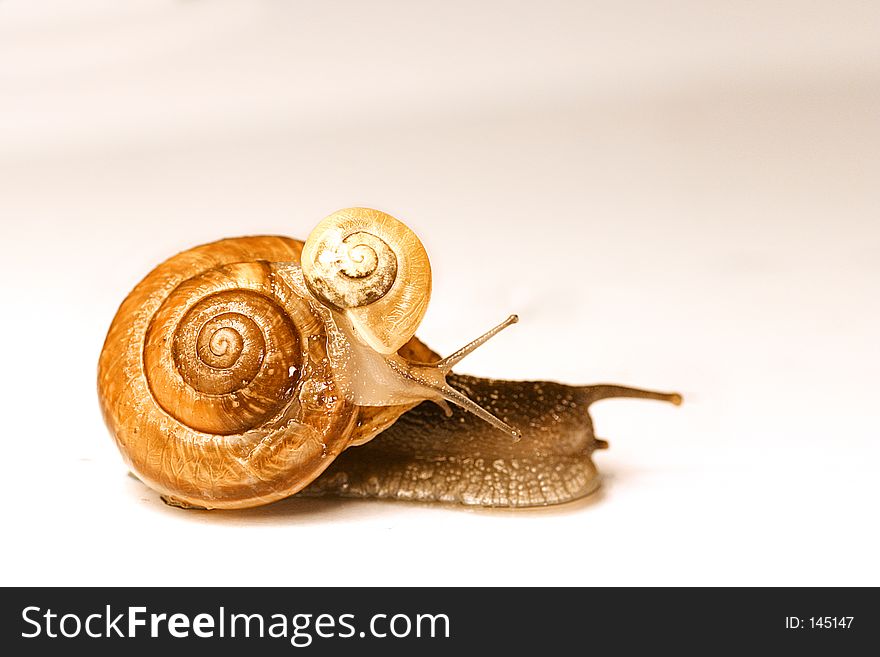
{"type": "Point", "coordinates": [244, 371]}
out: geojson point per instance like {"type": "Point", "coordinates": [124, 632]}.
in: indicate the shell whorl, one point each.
{"type": "Point", "coordinates": [372, 268]}
{"type": "Point", "coordinates": [351, 271]}
{"type": "Point", "coordinates": [222, 353]}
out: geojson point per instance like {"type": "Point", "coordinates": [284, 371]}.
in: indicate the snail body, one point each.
{"type": "Point", "coordinates": [428, 457]}
{"type": "Point", "coordinates": [237, 372]}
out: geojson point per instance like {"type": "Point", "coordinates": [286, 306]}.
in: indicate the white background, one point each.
{"type": "Point", "coordinates": [682, 195]}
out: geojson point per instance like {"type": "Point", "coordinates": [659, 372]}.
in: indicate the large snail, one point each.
{"type": "Point", "coordinates": [247, 370]}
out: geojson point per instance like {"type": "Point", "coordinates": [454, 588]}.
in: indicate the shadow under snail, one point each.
{"type": "Point", "coordinates": [244, 371]}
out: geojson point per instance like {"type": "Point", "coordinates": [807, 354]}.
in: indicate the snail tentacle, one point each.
{"type": "Point", "coordinates": [452, 360]}
{"type": "Point", "coordinates": [434, 377]}
{"type": "Point", "coordinates": [608, 391]}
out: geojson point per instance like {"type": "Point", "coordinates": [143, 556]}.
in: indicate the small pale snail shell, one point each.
{"type": "Point", "coordinates": [374, 269]}
{"type": "Point", "coordinates": [237, 372]}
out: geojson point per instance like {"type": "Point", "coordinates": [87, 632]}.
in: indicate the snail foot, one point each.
{"type": "Point", "coordinates": [180, 504]}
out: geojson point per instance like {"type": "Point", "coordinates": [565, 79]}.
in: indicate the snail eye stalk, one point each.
{"type": "Point", "coordinates": [427, 375]}
{"type": "Point", "coordinates": [451, 361]}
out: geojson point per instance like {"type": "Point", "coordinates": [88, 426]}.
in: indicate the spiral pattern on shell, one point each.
{"type": "Point", "coordinates": [354, 271]}
{"type": "Point", "coordinates": [214, 378]}
{"type": "Point", "coordinates": [236, 350]}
